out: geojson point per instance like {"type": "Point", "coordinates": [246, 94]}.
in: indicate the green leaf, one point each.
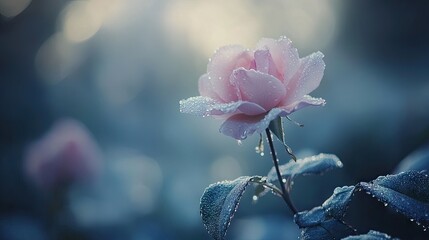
{"type": "Point", "coordinates": [219, 204]}
{"type": "Point", "coordinates": [314, 165]}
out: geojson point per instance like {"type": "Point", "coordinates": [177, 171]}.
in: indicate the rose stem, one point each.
{"type": "Point", "coordinates": [285, 194]}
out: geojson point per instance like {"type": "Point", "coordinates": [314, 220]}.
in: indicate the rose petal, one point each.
{"type": "Point", "coordinates": [240, 126]}
{"type": "Point", "coordinates": [204, 106]}
{"type": "Point", "coordinates": [306, 79]}
{"type": "Point", "coordinates": [206, 89]}
{"type": "Point", "coordinates": [220, 68]}
{"type": "Point", "coordinates": [199, 106]}
{"type": "Point", "coordinates": [285, 56]}
{"type": "Point", "coordinates": [265, 64]}
{"type": "Point", "coordinates": [250, 108]}
{"type": "Point", "coordinates": [304, 102]}
{"type": "Point", "coordinates": [262, 89]}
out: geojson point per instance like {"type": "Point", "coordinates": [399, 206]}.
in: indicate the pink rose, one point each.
{"type": "Point", "coordinates": [66, 154]}
{"type": "Point", "coordinates": [249, 89]}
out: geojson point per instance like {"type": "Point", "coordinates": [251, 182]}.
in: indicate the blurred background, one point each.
{"type": "Point", "coordinates": [93, 146]}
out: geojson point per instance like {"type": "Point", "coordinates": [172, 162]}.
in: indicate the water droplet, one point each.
{"type": "Point", "coordinates": [260, 147]}
{"type": "Point", "coordinates": [255, 198]}
{"type": "Point", "coordinates": [412, 220]}
{"type": "Point", "coordinates": [385, 204]}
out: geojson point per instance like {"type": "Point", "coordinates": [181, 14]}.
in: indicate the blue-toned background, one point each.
{"type": "Point", "coordinates": [119, 69]}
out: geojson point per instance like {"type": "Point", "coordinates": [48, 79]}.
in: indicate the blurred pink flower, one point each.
{"type": "Point", "coordinates": [66, 154]}
{"type": "Point", "coordinates": [251, 88]}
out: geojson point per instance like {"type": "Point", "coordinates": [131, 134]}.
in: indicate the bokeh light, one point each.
{"type": "Point", "coordinates": [206, 25]}
{"type": "Point", "coordinates": [81, 20]}
{"type": "Point", "coordinates": [11, 9]}
{"type": "Point", "coordinates": [209, 24]}
{"type": "Point", "coordinates": [56, 59]}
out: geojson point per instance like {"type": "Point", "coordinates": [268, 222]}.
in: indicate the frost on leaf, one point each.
{"type": "Point", "coordinates": [371, 235]}
{"type": "Point", "coordinates": [337, 204]}
{"type": "Point", "coordinates": [314, 165]}
{"type": "Point", "coordinates": [326, 221]}
{"type": "Point", "coordinates": [317, 224]}
{"type": "Point", "coordinates": [406, 193]}
{"type": "Point", "coordinates": [219, 204]}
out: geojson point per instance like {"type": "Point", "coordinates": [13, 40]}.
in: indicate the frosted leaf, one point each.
{"type": "Point", "coordinates": [326, 221]}
{"type": "Point", "coordinates": [406, 193]}
{"type": "Point", "coordinates": [219, 204]}
{"type": "Point", "coordinates": [371, 235]}
{"type": "Point", "coordinates": [317, 224]}
{"type": "Point", "coordinates": [338, 203]}
{"type": "Point", "coordinates": [314, 165]}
